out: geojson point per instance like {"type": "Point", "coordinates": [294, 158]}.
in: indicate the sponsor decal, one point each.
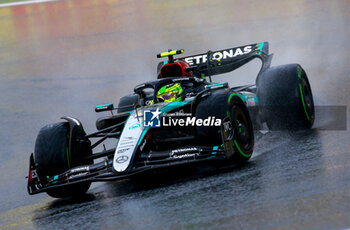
{"type": "Point", "coordinates": [77, 175]}
{"type": "Point", "coordinates": [84, 168]}
{"type": "Point", "coordinates": [128, 145]}
{"type": "Point", "coordinates": [34, 174]}
{"type": "Point", "coordinates": [121, 159]}
{"type": "Point", "coordinates": [230, 53]}
{"type": "Point", "coordinates": [149, 102]}
{"type": "Point", "coordinates": [184, 150]}
{"type": "Point", "coordinates": [143, 145]}
{"type": "Point", "coordinates": [184, 153]}
{"type": "Point", "coordinates": [179, 118]}
{"type": "Point", "coordinates": [152, 118]}
{"type": "Point", "coordinates": [191, 121]}
{"type": "Point", "coordinates": [249, 98]}
{"type": "Point", "coordinates": [126, 142]}
{"type": "Point", "coordinates": [177, 114]}
{"type": "Point", "coordinates": [122, 150]}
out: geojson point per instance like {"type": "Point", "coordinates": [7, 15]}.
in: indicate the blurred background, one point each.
{"type": "Point", "coordinates": [65, 57]}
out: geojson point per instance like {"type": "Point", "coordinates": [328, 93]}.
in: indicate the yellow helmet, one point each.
{"type": "Point", "coordinates": [170, 93]}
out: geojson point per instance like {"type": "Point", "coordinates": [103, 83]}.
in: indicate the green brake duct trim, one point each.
{"type": "Point", "coordinates": [240, 151]}
{"type": "Point", "coordinates": [299, 73]}
{"type": "Point", "coordinates": [230, 97]}
{"type": "Point", "coordinates": [302, 100]}
{"type": "Point", "coordinates": [301, 94]}
{"type": "Point", "coordinates": [236, 144]}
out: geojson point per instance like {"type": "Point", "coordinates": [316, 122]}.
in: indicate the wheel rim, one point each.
{"type": "Point", "coordinates": [307, 99]}
{"type": "Point", "coordinates": [241, 127]}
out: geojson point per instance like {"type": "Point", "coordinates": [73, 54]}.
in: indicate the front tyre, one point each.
{"type": "Point", "coordinates": [52, 156]}
{"type": "Point", "coordinates": [236, 132]}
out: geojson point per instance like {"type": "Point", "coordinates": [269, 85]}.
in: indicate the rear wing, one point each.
{"type": "Point", "coordinates": [227, 60]}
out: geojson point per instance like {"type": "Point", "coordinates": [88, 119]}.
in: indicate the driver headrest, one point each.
{"type": "Point", "coordinates": [175, 69]}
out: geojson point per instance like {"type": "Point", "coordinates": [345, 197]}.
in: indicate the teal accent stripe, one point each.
{"type": "Point", "coordinates": [55, 178]}
{"type": "Point", "coordinates": [240, 151]}
{"type": "Point", "coordinates": [165, 62]}
{"type": "Point", "coordinates": [216, 84]}
{"type": "Point", "coordinates": [247, 97]}
{"type": "Point", "coordinates": [261, 47]}
{"type": "Point", "coordinates": [102, 105]}
{"type": "Point", "coordinates": [143, 135]}
{"type": "Point", "coordinates": [215, 148]}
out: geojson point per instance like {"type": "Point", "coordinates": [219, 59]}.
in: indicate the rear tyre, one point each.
{"type": "Point", "coordinates": [52, 156]}
{"type": "Point", "coordinates": [229, 107]}
{"type": "Point", "coordinates": [285, 98]}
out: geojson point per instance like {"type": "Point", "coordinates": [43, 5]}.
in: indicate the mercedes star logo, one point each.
{"type": "Point", "coordinates": [121, 159]}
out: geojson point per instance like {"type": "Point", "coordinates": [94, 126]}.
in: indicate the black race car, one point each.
{"type": "Point", "coordinates": [180, 118]}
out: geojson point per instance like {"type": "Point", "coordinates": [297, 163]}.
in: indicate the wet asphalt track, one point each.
{"type": "Point", "coordinates": [65, 57]}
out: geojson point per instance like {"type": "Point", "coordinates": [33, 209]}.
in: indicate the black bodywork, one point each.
{"type": "Point", "coordinates": [164, 147]}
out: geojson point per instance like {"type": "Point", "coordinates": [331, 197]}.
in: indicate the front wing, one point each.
{"type": "Point", "coordinates": [103, 171]}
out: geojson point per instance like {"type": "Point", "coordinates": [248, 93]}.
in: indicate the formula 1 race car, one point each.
{"type": "Point", "coordinates": [180, 118]}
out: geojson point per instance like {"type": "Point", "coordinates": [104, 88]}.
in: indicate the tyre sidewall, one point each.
{"type": "Point", "coordinates": [281, 99]}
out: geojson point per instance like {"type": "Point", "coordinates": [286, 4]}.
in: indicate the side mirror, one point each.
{"type": "Point", "coordinates": [106, 107]}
